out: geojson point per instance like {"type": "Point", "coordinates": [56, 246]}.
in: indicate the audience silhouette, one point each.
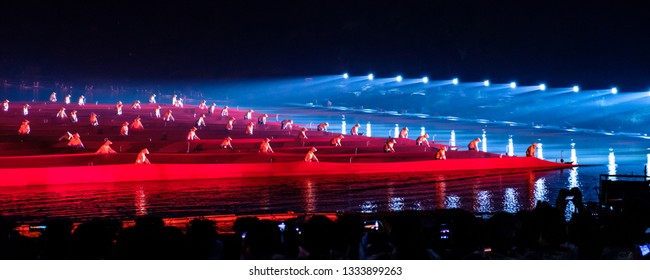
{"type": "Point", "coordinates": [543, 233]}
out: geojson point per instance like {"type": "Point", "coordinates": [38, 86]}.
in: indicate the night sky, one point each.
{"type": "Point", "coordinates": [597, 44]}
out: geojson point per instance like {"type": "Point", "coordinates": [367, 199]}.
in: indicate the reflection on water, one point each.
{"type": "Point", "coordinates": [510, 201]}
{"type": "Point", "coordinates": [573, 178]}
{"type": "Point", "coordinates": [611, 164]}
{"type": "Point", "coordinates": [440, 188]}
{"type": "Point", "coordinates": [483, 202]}
{"type": "Point", "coordinates": [265, 199]}
{"type": "Point", "coordinates": [481, 192]}
{"type": "Point", "coordinates": [396, 204]}
{"type": "Point", "coordinates": [540, 192]}
{"type": "Point", "coordinates": [418, 206]}
{"type": "Point", "coordinates": [140, 202]}
{"type": "Point", "coordinates": [368, 207]}
{"type": "Point", "coordinates": [310, 197]}
{"type": "Point", "coordinates": [452, 201]}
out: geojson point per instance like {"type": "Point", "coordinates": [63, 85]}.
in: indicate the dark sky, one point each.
{"type": "Point", "coordinates": [597, 44]}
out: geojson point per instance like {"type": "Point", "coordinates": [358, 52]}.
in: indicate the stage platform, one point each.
{"type": "Point", "coordinates": [42, 158]}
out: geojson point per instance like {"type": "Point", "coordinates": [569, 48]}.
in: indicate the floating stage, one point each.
{"type": "Point", "coordinates": [39, 158]}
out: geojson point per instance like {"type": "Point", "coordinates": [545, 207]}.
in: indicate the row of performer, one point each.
{"type": "Point", "coordinates": [201, 122]}
{"type": "Point", "coordinates": [176, 101]}
{"type": "Point", "coordinates": [74, 140]}
{"type": "Point", "coordinates": [265, 147]}
{"type": "Point", "coordinates": [336, 141]}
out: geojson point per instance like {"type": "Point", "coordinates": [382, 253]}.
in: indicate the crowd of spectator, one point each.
{"type": "Point", "coordinates": [540, 234]}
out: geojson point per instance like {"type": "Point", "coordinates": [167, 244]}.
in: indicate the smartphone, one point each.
{"type": "Point", "coordinates": [373, 225]}
{"type": "Point", "coordinates": [645, 250]}
{"type": "Point", "coordinates": [37, 228]}
{"type": "Point", "coordinates": [445, 232]}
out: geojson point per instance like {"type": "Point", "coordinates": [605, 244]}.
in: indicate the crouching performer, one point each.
{"type": "Point", "coordinates": [142, 157]}
{"type": "Point", "coordinates": [389, 147]}
{"type": "Point", "coordinates": [24, 128]}
{"type": "Point", "coordinates": [265, 147]}
{"type": "Point", "coordinates": [473, 146]}
{"type": "Point", "coordinates": [422, 140]}
{"type": "Point", "coordinates": [75, 142]}
{"type": "Point", "coordinates": [226, 144]}
{"type": "Point", "coordinates": [336, 141]}
{"type": "Point", "coordinates": [106, 148]}
{"type": "Point", "coordinates": [442, 153]}
{"type": "Point", "coordinates": [311, 156]}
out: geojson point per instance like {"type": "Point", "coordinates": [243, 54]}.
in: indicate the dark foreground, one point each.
{"type": "Point", "coordinates": [451, 234]}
